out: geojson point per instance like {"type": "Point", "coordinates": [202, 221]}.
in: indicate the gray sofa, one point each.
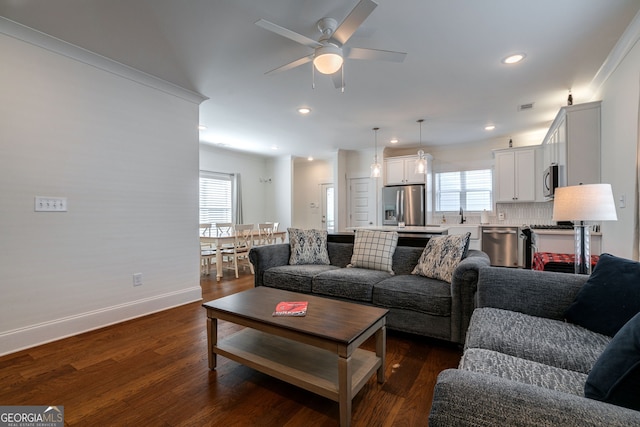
{"type": "Point", "coordinates": [416, 304]}
{"type": "Point", "coordinates": [522, 364]}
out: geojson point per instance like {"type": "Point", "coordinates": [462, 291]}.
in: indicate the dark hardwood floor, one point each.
{"type": "Point", "coordinates": [153, 371]}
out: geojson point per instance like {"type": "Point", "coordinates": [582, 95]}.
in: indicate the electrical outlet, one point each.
{"type": "Point", "coordinates": [137, 279]}
{"type": "Point", "coordinates": [501, 216]}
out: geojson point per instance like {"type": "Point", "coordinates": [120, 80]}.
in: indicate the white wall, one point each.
{"type": "Point", "coordinates": [307, 190]}
{"type": "Point", "coordinates": [256, 176]}
{"type": "Point", "coordinates": [283, 191]}
{"type": "Point", "coordinates": [620, 96]}
{"type": "Point", "coordinates": [125, 154]}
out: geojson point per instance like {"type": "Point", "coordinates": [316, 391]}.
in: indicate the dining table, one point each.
{"type": "Point", "coordinates": [229, 239]}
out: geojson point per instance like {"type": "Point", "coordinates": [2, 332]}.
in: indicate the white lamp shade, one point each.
{"type": "Point", "coordinates": [328, 59]}
{"type": "Point", "coordinates": [590, 202]}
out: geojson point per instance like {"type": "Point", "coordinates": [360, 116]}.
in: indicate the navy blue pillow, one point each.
{"type": "Point", "coordinates": [615, 377]}
{"type": "Point", "coordinates": [609, 298]}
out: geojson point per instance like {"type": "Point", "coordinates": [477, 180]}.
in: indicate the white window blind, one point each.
{"type": "Point", "coordinates": [215, 197]}
{"type": "Point", "coordinates": [469, 190]}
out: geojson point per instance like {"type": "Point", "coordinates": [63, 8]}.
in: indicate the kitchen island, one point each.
{"type": "Point", "coordinates": [415, 236]}
{"type": "Point", "coordinates": [409, 230]}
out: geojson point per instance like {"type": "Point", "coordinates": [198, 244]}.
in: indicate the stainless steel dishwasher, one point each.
{"type": "Point", "coordinates": [502, 244]}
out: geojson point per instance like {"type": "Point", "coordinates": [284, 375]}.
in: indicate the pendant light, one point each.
{"type": "Point", "coordinates": [375, 166]}
{"type": "Point", "coordinates": [421, 163]}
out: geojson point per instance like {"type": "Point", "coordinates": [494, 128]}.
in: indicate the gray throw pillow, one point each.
{"type": "Point", "coordinates": [441, 256]}
{"type": "Point", "coordinates": [374, 250]}
{"type": "Point", "coordinates": [308, 246]}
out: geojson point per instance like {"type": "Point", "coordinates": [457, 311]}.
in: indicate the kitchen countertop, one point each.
{"type": "Point", "coordinates": [430, 229]}
{"type": "Point", "coordinates": [561, 231]}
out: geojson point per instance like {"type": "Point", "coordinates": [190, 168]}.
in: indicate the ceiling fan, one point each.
{"type": "Point", "coordinates": [329, 51]}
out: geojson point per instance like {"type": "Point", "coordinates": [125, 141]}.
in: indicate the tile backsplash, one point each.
{"type": "Point", "coordinates": [514, 214]}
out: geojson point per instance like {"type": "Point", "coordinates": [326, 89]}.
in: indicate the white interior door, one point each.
{"type": "Point", "coordinates": [362, 202]}
{"type": "Point", "coordinates": [328, 207]}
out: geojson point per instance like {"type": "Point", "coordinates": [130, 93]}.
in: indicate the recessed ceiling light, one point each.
{"type": "Point", "coordinates": [394, 140]}
{"type": "Point", "coordinates": [202, 127]}
{"type": "Point", "coordinates": [489, 127]}
{"type": "Point", "coordinates": [304, 110]}
{"type": "Point", "coordinates": [274, 147]}
{"type": "Point", "coordinates": [514, 59]}
{"type": "Point", "coordinates": [310, 158]}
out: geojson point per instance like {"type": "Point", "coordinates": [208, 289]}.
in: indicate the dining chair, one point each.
{"type": "Point", "coordinates": [239, 253]}
{"type": "Point", "coordinates": [207, 250]}
{"type": "Point", "coordinates": [224, 229]}
{"type": "Point", "coordinates": [205, 229]}
{"type": "Point", "coordinates": [265, 233]}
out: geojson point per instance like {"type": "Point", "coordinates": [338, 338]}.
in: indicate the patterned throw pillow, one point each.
{"type": "Point", "coordinates": [441, 256]}
{"type": "Point", "coordinates": [374, 250]}
{"type": "Point", "coordinates": [308, 246]}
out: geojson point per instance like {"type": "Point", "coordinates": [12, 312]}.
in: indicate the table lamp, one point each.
{"type": "Point", "coordinates": [580, 203]}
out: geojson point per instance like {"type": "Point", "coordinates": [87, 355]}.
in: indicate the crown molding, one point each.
{"type": "Point", "coordinates": [37, 38]}
{"type": "Point", "coordinates": [624, 45]}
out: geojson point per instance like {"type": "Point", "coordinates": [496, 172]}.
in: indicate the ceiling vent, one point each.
{"type": "Point", "coordinates": [525, 107]}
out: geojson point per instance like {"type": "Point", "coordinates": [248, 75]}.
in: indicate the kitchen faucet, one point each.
{"type": "Point", "coordinates": [462, 220]}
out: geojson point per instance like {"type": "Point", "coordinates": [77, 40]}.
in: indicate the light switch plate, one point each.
{"type": "Point", "coordinates": [50, 204]}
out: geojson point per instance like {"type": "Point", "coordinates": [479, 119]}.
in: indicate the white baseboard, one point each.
{"type": "Point", "coordinates": [34, 335]}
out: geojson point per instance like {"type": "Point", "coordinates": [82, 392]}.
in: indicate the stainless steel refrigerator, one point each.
{"type": "Point", "coordinates": [403, 203]}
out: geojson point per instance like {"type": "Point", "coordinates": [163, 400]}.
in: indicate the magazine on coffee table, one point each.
{"type": "Point", "coordinates": [291, 308]}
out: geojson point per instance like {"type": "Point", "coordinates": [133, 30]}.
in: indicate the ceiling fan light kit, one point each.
{"type": "Point", "coordinates": [328, 59]}
{"type": "Point", "coordinates": [328, 55]}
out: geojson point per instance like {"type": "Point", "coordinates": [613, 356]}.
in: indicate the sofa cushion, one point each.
{"type": "Point", "coordinates": [405, 259]}
{"type": "Point", "coordinates": [409, 292]}
{"type": "Point", "coordinates": [352, 283]}
{"type": "Point", "coordinates": [548, 341]}
{"type": "Point", "coordinates": [374, 250]}
{"type": "Point", "coordinates": [441, 256]}
{"type": "Point", "coordinates": [522, 370]}
{"type": "Point", "coordinates": [296, 278]}
{"type": "Point", "coordinates": [610, 297]}
{"type": "Point", "coordinates": [615, 378]}
{"type": "Point", "coordinates": [308, 246]}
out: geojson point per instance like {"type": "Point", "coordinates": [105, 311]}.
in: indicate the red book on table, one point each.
{"type": "Point", "coordinates": [291, 308]}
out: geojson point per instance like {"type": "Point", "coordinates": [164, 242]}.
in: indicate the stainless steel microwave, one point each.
{"type": "Point", "coordinates": [550, 181]}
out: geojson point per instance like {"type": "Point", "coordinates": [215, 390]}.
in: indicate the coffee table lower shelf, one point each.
{"type": "Point", "coordinates": [300, 364]}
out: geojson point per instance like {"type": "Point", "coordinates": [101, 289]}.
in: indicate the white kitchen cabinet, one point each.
{"type": "Point", "coordinates": [573, 143]}
{"type": "Point", "coordinates": [515, 173]}
{"type": "Point", "coordinates": [400, 170]}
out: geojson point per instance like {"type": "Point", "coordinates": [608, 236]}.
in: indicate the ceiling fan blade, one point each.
{"type": "Point", "coordinates": [355, 18]}
{"type": "Point", "coordinates": [375, 54]}
{"type": "Point", "coordinates": [291, 65]}
{"type": "Point", "coordinates": [284, 32]}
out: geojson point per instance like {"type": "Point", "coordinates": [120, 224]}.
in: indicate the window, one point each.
{"type": "Point", "coordinates": [215, 197]}
{"type": "Point", "coordinates": [469, 190]}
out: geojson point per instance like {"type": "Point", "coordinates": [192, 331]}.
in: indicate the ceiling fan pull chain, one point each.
{"type": "Point", "coordinates": [313, 77]}
{"type": "Point", "coordinates": [342, 71]}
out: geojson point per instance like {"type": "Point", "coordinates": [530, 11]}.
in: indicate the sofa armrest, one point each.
{"type": "Point", "coordinates": [537, 293]}
{"type": "Point", "coordinates": [464, 398]}
{"type": "Point", "coordinates": [264, 257]}
{"type": "Point", "coordinates": [463, 290]}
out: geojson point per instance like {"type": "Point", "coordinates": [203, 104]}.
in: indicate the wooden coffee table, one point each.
{"type": "Point", "coordinates": [318, 352]}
